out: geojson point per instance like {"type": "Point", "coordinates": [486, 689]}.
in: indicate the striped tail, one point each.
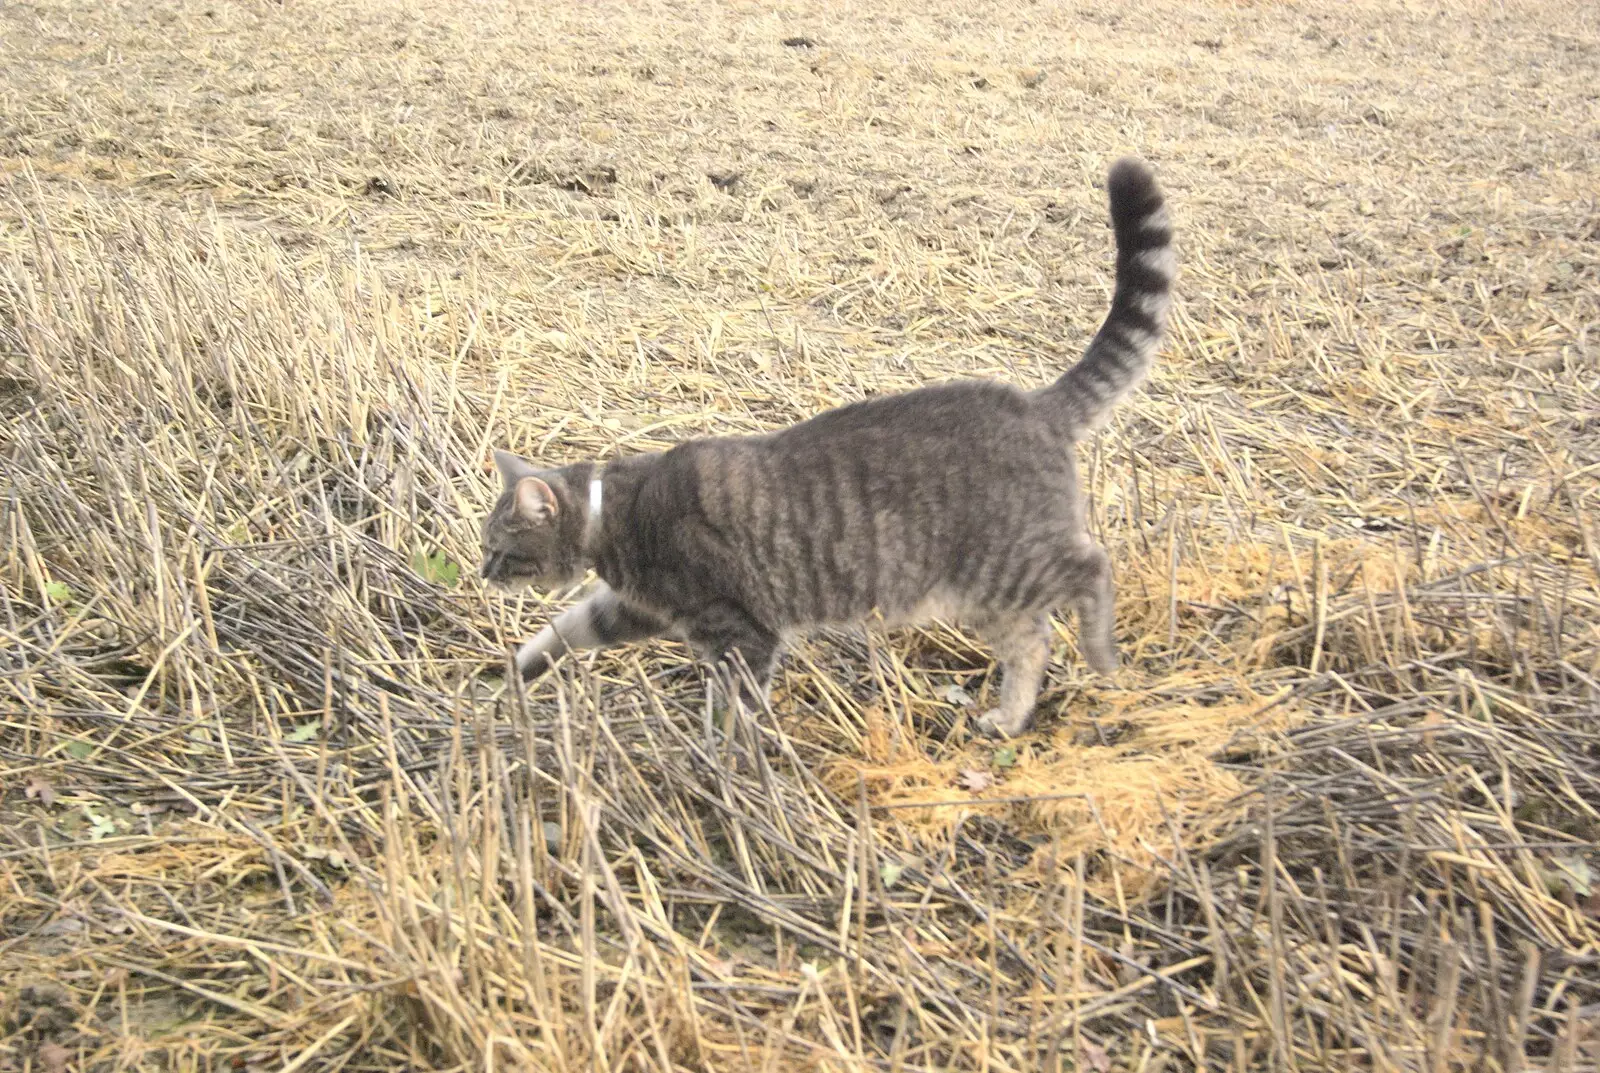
{"type": "Point", "coordinates": [1122, 351]}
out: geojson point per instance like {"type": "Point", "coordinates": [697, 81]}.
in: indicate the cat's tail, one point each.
{"type": "Point", "coordinates": [1122, 351]}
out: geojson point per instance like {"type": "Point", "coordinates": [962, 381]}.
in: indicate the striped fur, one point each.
{"type": "Point", "coordinates": [957, 500]}
{"type": "Point", "coordinates": [1122, 351]}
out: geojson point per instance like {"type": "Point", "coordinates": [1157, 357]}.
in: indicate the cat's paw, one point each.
{"type": "Point", "coordinates": [997, 724]}
{"type": "Point", "coordinates": [539, 655]}
{"type": "Point", "coordinates": [533, 666]}
{"type": "Point", "coordinates": [1103, 661]}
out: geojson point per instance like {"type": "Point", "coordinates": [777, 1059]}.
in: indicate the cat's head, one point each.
{"type": "Point", "coordinates": [534, 535]}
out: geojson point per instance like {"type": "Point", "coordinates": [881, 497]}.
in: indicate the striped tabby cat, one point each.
{"type": "Point", "coordinates": [957, 501]}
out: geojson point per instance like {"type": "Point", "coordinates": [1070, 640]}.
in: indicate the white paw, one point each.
{"type": "Point", "coordinates": [996, 724]}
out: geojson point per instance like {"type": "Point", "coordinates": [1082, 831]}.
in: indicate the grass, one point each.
{"type": "Point", "coordinates": [274, 277]}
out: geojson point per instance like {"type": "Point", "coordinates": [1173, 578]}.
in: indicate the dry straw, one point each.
{"type": "Point", "coordinates": [273, 278]}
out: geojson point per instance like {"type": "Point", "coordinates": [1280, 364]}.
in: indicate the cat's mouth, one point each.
{"type": "Point", "coordinates": [545, 590]}
{"type": "Point", "coordinates": [506, 572]}
{"type": "Point", "coordinates": [512, 584]}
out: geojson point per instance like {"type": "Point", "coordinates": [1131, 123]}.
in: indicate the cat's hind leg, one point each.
{"type": "Point", "coordinates": [1094, 598]}
{"type": "Point", "coordinates": [601, 620]}
{"type": "Point", "coordinates": [1021, 643]}
{"type": "Point", "coordinates": [721, 630]}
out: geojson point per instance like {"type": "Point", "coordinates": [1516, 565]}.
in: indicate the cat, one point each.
{"type": "Point", "coordinates": [957, 501]}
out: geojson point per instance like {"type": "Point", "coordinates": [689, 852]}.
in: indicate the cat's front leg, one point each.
{"type": "Point", "coordinates": [721, 631]}
{"type": "Point", "coordinates": [1022, 645]}
{"type": "Point", "coordinates": [601, 620]}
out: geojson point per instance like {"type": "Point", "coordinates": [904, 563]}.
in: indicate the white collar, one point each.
{"type": "Point", "coordinates": [596, 488]}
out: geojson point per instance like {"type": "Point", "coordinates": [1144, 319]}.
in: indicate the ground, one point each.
{"type": "Point", "coordinates": [276, 277]}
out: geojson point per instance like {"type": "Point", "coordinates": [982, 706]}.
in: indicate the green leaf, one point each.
{"type": "Point", "coordinates": [100, 826]}
{"type": "Point", "coordinates": [332, 857]}
{"type": "Point", "coordinates": [436, 568]}
{"type": "Point", "coordinates": [305, 732]}
{"type": "Point", "coordinates": [958, 696]}
{"type": "Point", "coordinates": [1006, 757]}
{"type": "Point", "coordinates": [1575, 872]}
{"type": "Point", "coordinates": [79, 750]}
{"type": "Point", "coordinates": [58, 591]}
{"type": "Point", "coordinates": [890, 873]}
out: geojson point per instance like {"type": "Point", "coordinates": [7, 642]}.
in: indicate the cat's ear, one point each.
{"type": "Point", "coordinates": [536, 503]}
{"type": "Point", "coordinates": [512, 468]}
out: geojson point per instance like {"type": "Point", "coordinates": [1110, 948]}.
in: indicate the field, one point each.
{"type": "Point", "coordinates": [276, 276]}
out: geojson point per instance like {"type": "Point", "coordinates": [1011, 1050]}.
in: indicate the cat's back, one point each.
{"type": "Point", "coordinates": [937, 413]}
{"type": "Point", "coordinates": [889, 452]}
{"type": "Point", "coordinates": [946, 427]}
